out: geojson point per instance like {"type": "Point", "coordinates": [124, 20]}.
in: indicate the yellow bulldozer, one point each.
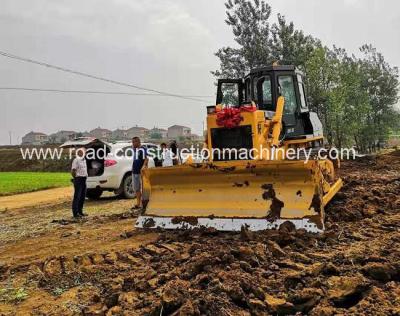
{"type": "Point", "coordinates": [262, 167]}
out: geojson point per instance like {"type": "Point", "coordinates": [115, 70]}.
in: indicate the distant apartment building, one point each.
{"type": "Point", "coordinates": [101, 133]}
{"type": "Point", "coordinates": [62, 136]}
{"type": "Point", "coordinates": [138, 131]}
{"type": "Point", "coordinates": [156, 132]}
{"type": "Point", "coordinates": [35, 138]}
{"type": "Point", "coordinates": [178, 131]}
{"type": "Point", "coordinates": [120, 134]}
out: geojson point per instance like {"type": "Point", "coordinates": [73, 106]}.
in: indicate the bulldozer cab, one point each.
{"type": "Point", "coordinates": [263, 86]}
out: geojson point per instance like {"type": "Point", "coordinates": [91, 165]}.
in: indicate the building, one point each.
{"type": "Point", "coordinates": [35, 138]}
{"type": "Point", "coordinates": [120, 134]}
{"type": "Point", "coordinates": [178, 131]}
{"type": "Point", "coordinates": [138, 131]}
{"type": "Point", "coordinates": [101, 133]}
{"type": "Point", "coordinates": [62, 136]}
{"type": "Point", "coordinates": [158, 133]}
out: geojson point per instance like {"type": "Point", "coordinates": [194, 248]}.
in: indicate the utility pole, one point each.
{"type": "Point", "coordinates": [10, 134]}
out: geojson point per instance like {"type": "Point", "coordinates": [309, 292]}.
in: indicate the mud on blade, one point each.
{"type": "Point", "coordinates": [228, 195]}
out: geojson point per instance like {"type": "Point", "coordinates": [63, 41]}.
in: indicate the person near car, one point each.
{"type": "Point", "coordinates": [140, 161]}
{"type": "Point", "coordinates": [175, 152]}
{"type": "Point", "coordinates": [79, 174]}
{"type": "Point", "coordinates": [166, 153]}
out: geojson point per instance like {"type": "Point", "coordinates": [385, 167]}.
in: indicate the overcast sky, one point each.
{"type": "Point", "coordinates": [160, 44]}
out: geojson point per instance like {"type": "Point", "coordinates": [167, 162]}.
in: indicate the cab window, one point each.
{"type": "Point", "coordinates": [286, 86]}
{"type": "Point", "coordinates": [264, 91]}
{"type": "Point", "coordinates": [230, 94]}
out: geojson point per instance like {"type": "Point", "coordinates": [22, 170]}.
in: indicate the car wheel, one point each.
{"type": "Point", "coordinates": [127, 190]}
{"type": "Point", "coordinates": [94, 194]}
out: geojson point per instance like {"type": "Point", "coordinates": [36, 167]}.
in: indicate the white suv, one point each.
{"type": "Point", "coordinates": [114, 173]}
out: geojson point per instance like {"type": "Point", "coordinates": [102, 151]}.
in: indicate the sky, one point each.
{"type": "Point", "coordinates": [165, 45]}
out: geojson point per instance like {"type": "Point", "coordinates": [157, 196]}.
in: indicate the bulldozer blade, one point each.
{"type": "Point", "coordinates": [223, 224]}
{"type": "Point", "coordinates": [229, 195]}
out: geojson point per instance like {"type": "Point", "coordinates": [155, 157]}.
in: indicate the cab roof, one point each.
{"type": "Point", "coordinates": [274, 68]}
{"type": "Point", "coordinates": [271, 68]}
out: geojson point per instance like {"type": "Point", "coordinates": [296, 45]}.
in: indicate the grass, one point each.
{"type": "Point", "coordinates": [12, 295]}
{"type": "Point", "coordinates": [21, 182]}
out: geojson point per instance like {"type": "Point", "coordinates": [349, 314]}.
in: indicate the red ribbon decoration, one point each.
{"type": "Point", "coordinates": [230, 117]}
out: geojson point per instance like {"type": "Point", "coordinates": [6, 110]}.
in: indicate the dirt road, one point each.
{"type": "Point", "coordinates": [51, 196]}
{"type": "Point", "coordinates": [36, 232]}
{"type": "Point", "coordinates": [74, 268]}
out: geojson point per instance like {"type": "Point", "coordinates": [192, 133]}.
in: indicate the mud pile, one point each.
{"type": "Point", "coordinates": [213, 274]}
{"type": "Point", "coordinates": [353, 268]}
{"type": "Point", "coordinates": [371, 187]}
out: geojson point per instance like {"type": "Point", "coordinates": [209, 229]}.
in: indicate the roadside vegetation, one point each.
{"type": "Point", "coordinates": [21, 182]}
{"type": "Point", "coordinates": [12, 160]}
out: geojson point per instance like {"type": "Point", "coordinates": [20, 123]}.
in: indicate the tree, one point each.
{"type": "Point", "coordinates": [291, 46]}
{"type": "Point", "coordinates": [381, 81]}
{"type": "Point", "coordinates": [259, 43]}
{"type": "Point", "coordinates": [321, 77]}
{"type": "Point", "coordinates": [348, 104]}
{"type": "Point", "coordinates": [251, 30]}
{"type": "Point", "coordinates": [155, 135]}
{"type": "Point", "coordinates": [354, 97]}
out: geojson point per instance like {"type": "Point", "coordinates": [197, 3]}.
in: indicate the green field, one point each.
{"type": "Point", "coordinates": [20, 182]}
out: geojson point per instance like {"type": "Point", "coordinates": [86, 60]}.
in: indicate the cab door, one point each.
{"type": "Point", "coordinates": [287, 89]}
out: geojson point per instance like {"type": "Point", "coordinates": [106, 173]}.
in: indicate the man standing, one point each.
{"type": "Point", "coordinates": [166, 156]}
{"type": "Point", "coordinates": [175, 152]}
{"type": "Point", "coordinates": [140, 161]}
{"type": "Point", "coordinates": [79, 173]}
